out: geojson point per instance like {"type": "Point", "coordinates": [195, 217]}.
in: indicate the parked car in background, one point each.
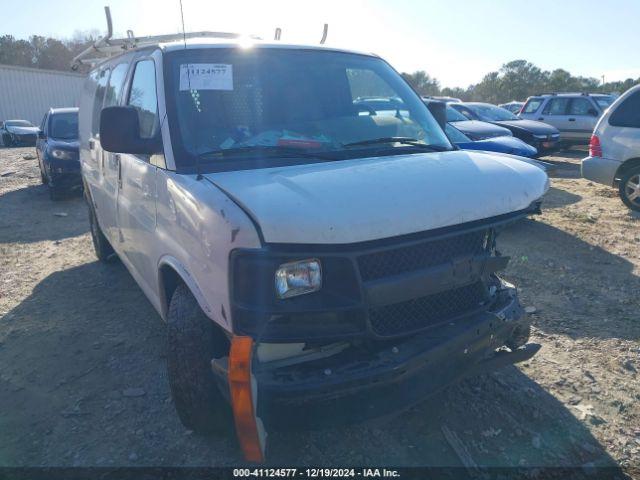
{"type": "Point", "coordinates": [18, 133]}
{"type": "Point", "coordinates": [614, 149]}
{"type": "Point", "coordinates": [504, 144]}
{"type": "Point", "coordinates": [57, 149]}
{"type": "Point", "coordinates": [574, 114]}
{"type": "Point", "coordinates": [543, 137]}
{"type": "Point", "coordinates": [473, 129]}
{"type": "Point", "coordinates": [514, 107]}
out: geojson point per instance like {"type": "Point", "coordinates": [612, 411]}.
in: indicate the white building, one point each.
{"type": "Point", "coordinates": [28, 93]}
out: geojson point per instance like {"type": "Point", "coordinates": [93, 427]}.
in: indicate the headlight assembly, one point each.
{"type": "Point", "coordinates": [297, 278]}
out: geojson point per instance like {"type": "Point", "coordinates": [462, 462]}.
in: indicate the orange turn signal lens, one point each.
{"type": "Point", "coordinates": [242, 398]}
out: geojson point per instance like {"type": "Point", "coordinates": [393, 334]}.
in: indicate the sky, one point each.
{"type": "Point", "coordinates": [456, 41]}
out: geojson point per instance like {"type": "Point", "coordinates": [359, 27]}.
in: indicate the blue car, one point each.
{"type": "Point", "coordinates": [511, 145]}
{"type": "Point", "coordinates": [57, 149]}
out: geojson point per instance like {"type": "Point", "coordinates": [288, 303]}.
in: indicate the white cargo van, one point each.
{"type": "Point", "coordinates": [315, 261]}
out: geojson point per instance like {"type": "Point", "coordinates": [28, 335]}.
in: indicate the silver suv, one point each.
{"type": "Point", "coordinates": [614, 149]}
{"type": "Point", "coordinates": [574, 114]}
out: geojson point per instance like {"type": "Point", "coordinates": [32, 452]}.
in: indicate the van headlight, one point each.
{"type": "Point", "coordinates": [298, 278]}
{"type": "Point", "coordinates": [61, 154]}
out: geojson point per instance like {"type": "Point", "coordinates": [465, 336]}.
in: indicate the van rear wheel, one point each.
{"type": "Point", "coordinates": [192, 343]}
{"type": "Point", "coordinates": [630, 189]}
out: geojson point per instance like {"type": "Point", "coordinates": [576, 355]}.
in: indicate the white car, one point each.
{"type": "Point", "coordinates": [614, 149]}
{"type": "Point", "coordinates": [315, 262]}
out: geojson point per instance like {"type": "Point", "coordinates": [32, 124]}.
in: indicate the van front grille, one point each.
{"type": "Point", "coordinates": [419, 313]}
{"type": "Point", "coordinates": [421, 255]}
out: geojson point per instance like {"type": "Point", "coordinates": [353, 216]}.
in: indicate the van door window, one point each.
{"type": "Point", "coordinates": [116, 82]}
{"type": "Point", "coordinates": [143, 97]}
{"type": "Point", "coordinates": [627, 114]}
{"type": "Point", "coordinates": [98, 100]}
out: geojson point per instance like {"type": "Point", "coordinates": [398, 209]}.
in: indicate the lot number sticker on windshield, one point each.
{"type": "Point", "coordinates": [206, 76]}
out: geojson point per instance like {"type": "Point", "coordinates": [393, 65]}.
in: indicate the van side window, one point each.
{"type": "Point", "coordinates": [98, 100]}
{"type": "Point", "coordinates": [143, 97]}
{"type": "Point", "coordinates": [114, 87]}
{"type": "Point", "coordinates": [627, 114]}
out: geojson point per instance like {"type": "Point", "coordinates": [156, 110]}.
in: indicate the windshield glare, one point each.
{"type": "Point", "coordinates": [306, 100]}
{"type": "Point", "coordinates": [64, 126]}
{"type": "Point", "coordinates": [492, 113]}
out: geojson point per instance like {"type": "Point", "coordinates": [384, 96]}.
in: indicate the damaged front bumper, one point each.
{"type": "Point", "coordinates": [374, 379]}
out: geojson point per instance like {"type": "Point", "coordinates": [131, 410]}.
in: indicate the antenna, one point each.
{"type": "Point", "coordinates": [184, 32]}
{"type": "Point", "coordinates": [325, 31]}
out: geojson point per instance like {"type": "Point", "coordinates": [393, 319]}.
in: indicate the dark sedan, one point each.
{"type": "Point", "coordinates": [58, 151]}
{"type": "Point", "coordinates": [540, 135]}
{"type": "Point", "coordinates": [18, 133]}
{"type": "Point", "coordinates": [473, 129]}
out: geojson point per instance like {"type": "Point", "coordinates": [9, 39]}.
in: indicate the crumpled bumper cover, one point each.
{"type": "Point", "coordinates": [351, 387]}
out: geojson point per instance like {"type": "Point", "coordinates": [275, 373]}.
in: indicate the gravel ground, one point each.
{"type": "Point", "coordinates": [82, 374]}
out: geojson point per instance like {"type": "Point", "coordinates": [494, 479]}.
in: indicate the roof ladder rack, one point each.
{"type": "Point", "coordinates": [109, 46]}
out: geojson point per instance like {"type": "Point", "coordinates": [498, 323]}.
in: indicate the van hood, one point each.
{"type": "Point", "coordinates": [358, 200]}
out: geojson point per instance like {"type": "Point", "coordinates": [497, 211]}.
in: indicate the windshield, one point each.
{"type": "Point", "coordinates": [455, 116]}
{"type": "Point", "coordinates": [18, 123]}
{"type": "Point", "coordinates": [234, 104]}
{"type": "Point", "coordinates": [64, 126]}
{"type": "Point", "coordinates": [491, 113]}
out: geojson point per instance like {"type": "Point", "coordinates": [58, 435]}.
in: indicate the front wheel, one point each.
{"type": "Point", "coordinates": [104, 250]}
{"type": "Point", "coordinates": [630, 189]}
{"type": "Point", "coordinates": [192, 343]}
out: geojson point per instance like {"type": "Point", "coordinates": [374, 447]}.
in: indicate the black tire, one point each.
{"type": "Point", "coordinates": [629, 178]}
{"type": "Point", "coordinates": [192, 343]}
{"type": "Point", "coordinates": [104, 250]}
{"type": "Point", "coordinates": [519, 337]}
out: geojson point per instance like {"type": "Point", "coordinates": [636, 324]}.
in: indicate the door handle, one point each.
{"type": "Point", "coordinates": [116, 157]}
{"type": "Point", "coordinates": [572, 119]}
{"type": "Point", "coordinates": [540, 118]}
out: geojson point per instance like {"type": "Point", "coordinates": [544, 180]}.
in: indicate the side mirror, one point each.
{"type": "Point", "coordinates": [439, 112]}
{"type": "Point", "coordinates": [593, 112]}
{"type": "Point", "coordinates": [41, 135]}
{"type": "Point", "coordinates": [120, 132]}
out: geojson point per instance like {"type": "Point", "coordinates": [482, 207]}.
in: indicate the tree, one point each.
{"type": "Point", "coordinates": [423, 83]}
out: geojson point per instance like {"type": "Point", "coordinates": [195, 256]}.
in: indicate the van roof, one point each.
{"type": "Point", "coordinates": [245, 42]}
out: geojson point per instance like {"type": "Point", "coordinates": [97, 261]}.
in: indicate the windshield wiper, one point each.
{"type": "Point", "coordinates": [414, 142]}
{"type": "Point", "coordinates": [275, 149]}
